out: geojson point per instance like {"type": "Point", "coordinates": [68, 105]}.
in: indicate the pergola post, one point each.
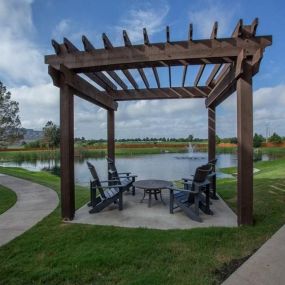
{"type": "Point", "coordinates": [211, 133]}
{"type": "Point", "coordinates": [67, 152]}
{"type": "Point", "coordinates": [111, 134]}
{"type": "Point", "coordinates": [212, 139]}
{"type": "Point", "coordinates": [245, 146]}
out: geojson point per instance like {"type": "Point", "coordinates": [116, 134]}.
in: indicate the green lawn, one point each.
{"type": "Point", "coordinates": [56, 253]}
{"type": "Point", "coordinates": [7, 199]}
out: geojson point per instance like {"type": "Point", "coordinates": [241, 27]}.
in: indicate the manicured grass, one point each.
{"type": "Point", "coordinates": [56, 253]}
{"type": "Point", "coordinates": [7, 199]}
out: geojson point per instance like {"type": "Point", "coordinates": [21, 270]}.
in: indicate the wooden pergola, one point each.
{"type": "Point", "coordinates": [236, 60]}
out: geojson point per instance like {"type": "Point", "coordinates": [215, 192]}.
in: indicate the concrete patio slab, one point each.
{"type": "Point", "coordinates": [34, 202]}
{"type": "Point", "coordinates": [138, 215]}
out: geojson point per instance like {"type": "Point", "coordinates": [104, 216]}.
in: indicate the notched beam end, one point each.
{"type": "Point", "coordinates": [70, 47]}
{"type": "Point", "coordinates": [106, 41]}
{"type": "Point", "coordinates": [254, 26]}
{"type": "Point", "coordinates": [87, 44]}
{"type": "Point", "coordinates": [145, 37]}
{"type": "Point", "coordinates": [56, 46]}
{"type": "Point", "coordinates": [167, 34]}
{"type": "Point", "coordinates": [190, 32]}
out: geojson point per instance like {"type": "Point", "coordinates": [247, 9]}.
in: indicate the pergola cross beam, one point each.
{"type": "Point", "coordinates": [161, 54]}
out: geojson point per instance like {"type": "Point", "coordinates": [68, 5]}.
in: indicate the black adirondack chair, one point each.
{"type": "Point", "coordinates": [194, 195]}
{"type": "Point", "coordinates": [126, 179]}
{"type": "Point", "coordinates": [212, 179]}
{"type": "Point", "coordinates": [102, 196]}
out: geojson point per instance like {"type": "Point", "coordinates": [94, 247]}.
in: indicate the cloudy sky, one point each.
{"type": "Point", "coordinates": [28, 26]}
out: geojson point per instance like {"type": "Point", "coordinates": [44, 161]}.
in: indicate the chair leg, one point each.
{"type": "Point", "coordinates": [205, 206]}
{"type": "Point", "coordinates": [155, 194]}
{"type": "Point", "coordinates": [189, 212]}
{"type": "Point", "coordinates": [149, 199]}
{"type": "Point", "coordinates": [161, 198]}
{"type": "Point", "coordinates": [171, 194]}
{"type": "Point", "coordinates": [133, 190]}
{"type": "Point", "coordinates": [214, 189]}
{"type": "Point", "coordinates": [120, 201]}
{"type": "Point", "coordinates": [196, 201]}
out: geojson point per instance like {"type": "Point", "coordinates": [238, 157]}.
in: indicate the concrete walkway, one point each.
{"type": "Point", "coordinates": [34, 202]}
{"type": "Point", "coordinates": [265, 267]}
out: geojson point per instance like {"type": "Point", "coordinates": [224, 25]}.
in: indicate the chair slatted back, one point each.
{"type": "Point", "coordinates": [112, 169]}
{"type": "Point", "coordinates": [201, 173]}
{"type": "Point", "coordinates": [213, 163]}
{"type": "Point", "coordinates": [200, 176]}
{"type": "Point", "coordinates": [96, 182]}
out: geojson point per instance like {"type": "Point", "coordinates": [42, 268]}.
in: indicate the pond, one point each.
{"type": "Point", "coordinates": [166, 166]}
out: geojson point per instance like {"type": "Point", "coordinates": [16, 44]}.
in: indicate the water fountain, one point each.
{"type": "Point", "coordinates": [192, 154]}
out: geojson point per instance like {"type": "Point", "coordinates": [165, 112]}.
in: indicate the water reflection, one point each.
{"type": "Point", "coordinates": [159, 166]}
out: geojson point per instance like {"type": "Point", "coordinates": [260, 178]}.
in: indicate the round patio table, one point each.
{"type": "Point", "coordinates": [152, 187]}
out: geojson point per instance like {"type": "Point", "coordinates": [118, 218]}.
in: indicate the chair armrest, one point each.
{"type": "Point", "coordinates": [113, 186]}
{"type": "Point", "coordinates": [187, 179]}
{"type": "Point", "coordinates": [202, 184]}
{"type": "Point", "coordinates": [107, 181]}
{"type": "Point", "coordinates": [128, 176]}
{"type": "Point", "coordinates": [187, 183]}
{"type": "Point", "coordinates": [124, 173]}
{"type": "Point", "coordinates": [179, 189]}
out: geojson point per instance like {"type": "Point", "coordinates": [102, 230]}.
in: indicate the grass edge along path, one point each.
{"type": "Point", "coordinates": [7, 199]}
{"type": "Point", "coordinates": [56, 253]}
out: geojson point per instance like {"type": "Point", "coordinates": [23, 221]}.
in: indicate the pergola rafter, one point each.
{"type": "Point", "coordinates": [236, 60]}
{"type": "Point", "coordinates": [108, 45]}
{"type": "Point", "coordinates": [89, 47]}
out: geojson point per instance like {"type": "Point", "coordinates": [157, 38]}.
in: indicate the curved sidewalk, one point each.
{"type": "Point", "coordinates": [265, 267]}
{"type": "Point", "coordinates": [34, 202]}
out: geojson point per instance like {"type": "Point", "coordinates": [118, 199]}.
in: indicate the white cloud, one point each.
{"type": "Point", "coordinates": [20, 60]}
{"type": "Point", "coordinates": [151, 18]}
{"type": "Point", "coordinates": [62, 28]}
{"type": "Point", "coordinates": [38, 104]}
{"type": "Point", "coordinates": [212, 11]}
{"type": "Point", "coordinates": [268, 110]}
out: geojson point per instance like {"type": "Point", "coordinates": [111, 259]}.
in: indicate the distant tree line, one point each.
{"type": "Point", "coordinates": [90, 142]}
{"type": "Point", "coordinates": [259, 139]}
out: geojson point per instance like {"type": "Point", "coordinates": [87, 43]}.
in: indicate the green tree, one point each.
{"type": "Point", "coordinates": [218, 140]}
{"type": "Point", "coordinates": [51, 134]}
{"type": "Point", "coordinates": [257, 140]}
{"type": "Point", "coordinates": [234, 140]}
{"type": "Point", "coordinates": [190, 138]}
{"type": "Point", "coordinates": [275, 138]}
{"type": "Point", "coordinates": [10, 123]}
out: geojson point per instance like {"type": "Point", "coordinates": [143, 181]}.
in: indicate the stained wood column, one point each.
{"type": "Point", "coordinates": [211, 133]}
{"type": "Point", "coordinates": [245, 147]}
{"type": "Point", "coordinates": [67, 152]}
{"type": "Point", "coordinates": [111, 134]}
